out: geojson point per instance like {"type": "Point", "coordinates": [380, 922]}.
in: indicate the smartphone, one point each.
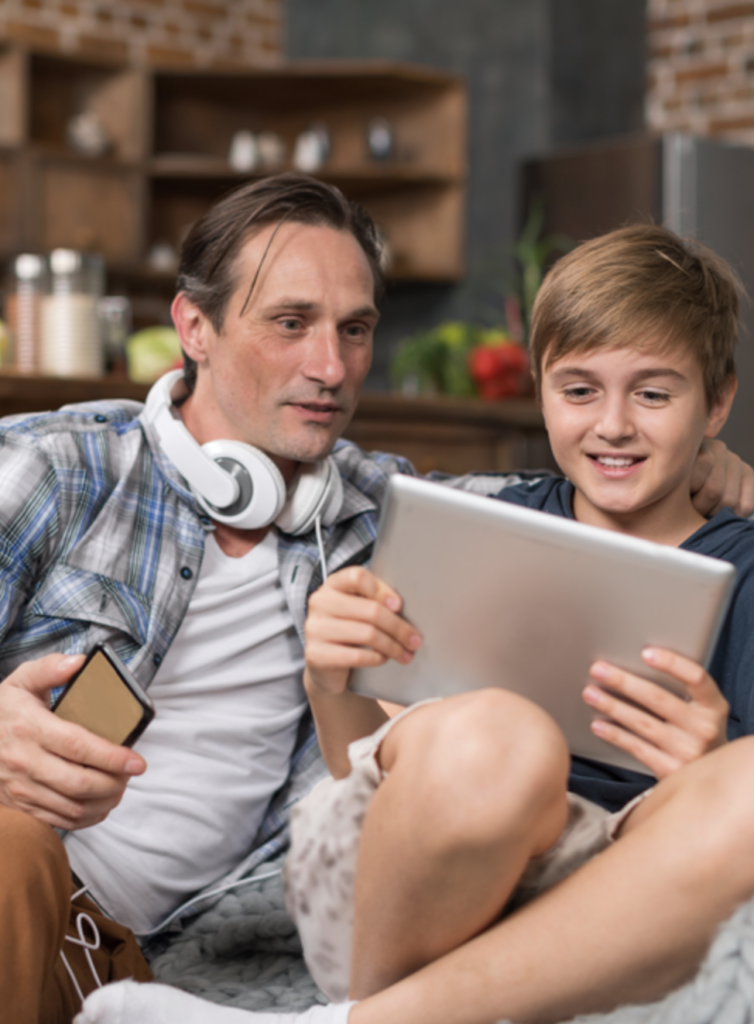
{"type": "Point", "coordinates": [106, 699]}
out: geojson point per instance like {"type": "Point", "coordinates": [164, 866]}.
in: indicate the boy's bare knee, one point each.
{"type": "Point", "coordinates": [478, 762]}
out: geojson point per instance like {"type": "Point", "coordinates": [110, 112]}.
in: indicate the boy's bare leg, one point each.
{"type": "Point", "coordinates": [476, 786]}
{"type": "Point", "coordinates": [627, 927]}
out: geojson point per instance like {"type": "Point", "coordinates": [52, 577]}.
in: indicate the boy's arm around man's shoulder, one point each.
{"type": "Point", "coordinates": [722, 480]}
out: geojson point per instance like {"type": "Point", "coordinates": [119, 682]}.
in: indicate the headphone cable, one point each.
{"type": "Point", "coordinates": [321, 546]}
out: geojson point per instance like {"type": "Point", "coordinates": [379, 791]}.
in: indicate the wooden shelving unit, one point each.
{"type": "Point", "coordinates": [417, 197]}
{"type": "Point", "coordinates": [171, 134]}
{"type": "Point", "coordinates": [51, 196]}
{"type": "Point", "coordinates": [168, 162]}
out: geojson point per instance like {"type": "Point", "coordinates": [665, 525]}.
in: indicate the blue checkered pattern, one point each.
{"type": "Point", "coordinates": [94, 530]}
{"type": "Point", "coordinates": [96, 525]}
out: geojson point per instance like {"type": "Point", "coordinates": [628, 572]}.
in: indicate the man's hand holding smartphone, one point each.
{"type": "Point", "coordinates": [53, 769]}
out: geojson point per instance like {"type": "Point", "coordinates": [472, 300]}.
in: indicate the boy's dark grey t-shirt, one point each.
{"type": "Point", "coordinates": [725, 536]}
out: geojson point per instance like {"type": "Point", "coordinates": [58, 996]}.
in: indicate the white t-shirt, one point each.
{"type": "Point", "coordinates": [228, 700]}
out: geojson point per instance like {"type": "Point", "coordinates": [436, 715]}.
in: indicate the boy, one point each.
{"type": "Point", "coordinates": [457, 853]}
{"type": "Point", "coordinates": [632, 343]}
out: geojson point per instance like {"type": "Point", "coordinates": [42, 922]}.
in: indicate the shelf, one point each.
{"type": "Point", "coordinates": [141, 272]}
{"type": "Point", "coordinates": [83, 204]}
{"type": "Point", "coordinates": [310, 83]}
{"type": "Point", "coordinates": [20, 393]}
{"type": "Point", "coordinates": [374, 175]}
{"type": "Point", "coordinates": [510, 412]}
{"type": "Point", "coordinates": [422, 224]}
{"type": "Point", "coordinates": [199, 113]}
{"type": "Point", "coordinates": [40, 93]}
{"type": "Point", "coordinates": [454, 435]}
{"type": "Point", "coordinates": [63, 154]}
{"type": "Point", "coordinates": [417, 198]}
{"type": "Point", "coordinates": [523, 413]}
{"type": "Point", "coordinates": [171, 133]}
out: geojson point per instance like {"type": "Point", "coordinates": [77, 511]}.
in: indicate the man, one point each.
{"type": "Point", "coordinates": [103, 540]}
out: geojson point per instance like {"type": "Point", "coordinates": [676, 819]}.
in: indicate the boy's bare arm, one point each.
{"type": "Point", "coordinates": [664, 731]}
{"type": "Point", "coordinates": [353, 621]}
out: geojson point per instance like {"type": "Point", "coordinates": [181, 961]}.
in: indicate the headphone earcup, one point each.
{"type": "Point", "coordinates": [220, 469]}
{"type": "Point", "coordinates": [317, 492]}
{"type": "Point", "coordinates": [262, 491]}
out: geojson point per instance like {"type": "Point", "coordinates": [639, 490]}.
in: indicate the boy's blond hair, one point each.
{"type": "Point", "coordinates": [640, 285]}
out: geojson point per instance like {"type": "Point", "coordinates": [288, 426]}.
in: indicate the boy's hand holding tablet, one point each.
{"type": "Point", "coordinates": [658, 728]}
{"type": "Point", "coordinates": [353, 622]}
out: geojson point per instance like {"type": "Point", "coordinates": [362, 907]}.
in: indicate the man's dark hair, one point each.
{"type": "Point", "coordinates": [207, 270]}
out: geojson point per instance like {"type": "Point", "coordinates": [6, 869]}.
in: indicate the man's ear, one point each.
{"type": "Point", "coordinates": [192, 326]}
{"type": "Point", "coordinates": [721, 409]}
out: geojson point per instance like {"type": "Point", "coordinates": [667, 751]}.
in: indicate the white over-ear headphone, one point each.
{"type": "Point", "coordinates": [236, 483]}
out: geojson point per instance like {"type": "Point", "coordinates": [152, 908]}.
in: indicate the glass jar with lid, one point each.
{"type": "Point", "coordinates": [70, 344]}
{"type": "Point", "coordinates": [23, 305]}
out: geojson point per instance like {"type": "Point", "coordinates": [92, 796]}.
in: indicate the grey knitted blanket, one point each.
{"type": "Point", "coordinates": [721, 993]}
{"type": "Point", "coordinates": [245, 952]}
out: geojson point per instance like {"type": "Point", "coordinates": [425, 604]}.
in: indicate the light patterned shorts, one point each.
{"type": "Point", "coordinates": [320, 870]}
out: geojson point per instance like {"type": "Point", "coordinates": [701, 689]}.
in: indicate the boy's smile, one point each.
{"type": "Point", "coordinates": [625, 426]}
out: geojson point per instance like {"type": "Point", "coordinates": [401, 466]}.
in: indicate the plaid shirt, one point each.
{"type": "Point", "coordinates": [100, 540]}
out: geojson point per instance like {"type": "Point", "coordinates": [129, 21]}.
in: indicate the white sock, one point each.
{"type": "Point", "coordinates": [126, 1002]}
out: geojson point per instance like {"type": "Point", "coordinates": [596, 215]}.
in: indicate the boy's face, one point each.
{"type": "Point", "coordinates": [625, 426]}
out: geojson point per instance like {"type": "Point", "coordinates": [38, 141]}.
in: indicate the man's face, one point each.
{"type": "Point", "coordinates": [285, 375]}
{"type": "Point", "coordinates": [625, 426]}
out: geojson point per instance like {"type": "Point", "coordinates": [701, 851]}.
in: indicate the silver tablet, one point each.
{"type": "Point", "coordinates": [511, 597]}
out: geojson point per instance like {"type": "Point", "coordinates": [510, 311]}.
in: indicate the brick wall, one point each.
{"type": "Point", "coordinates": [171, 33]}
{"type": "Point", "coordinates": [701, 67]}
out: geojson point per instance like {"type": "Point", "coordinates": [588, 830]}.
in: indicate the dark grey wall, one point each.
{"type": "Point", "coordinates": [596, 68]}
{"type": "Point", "coordinates": [539, 72]}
